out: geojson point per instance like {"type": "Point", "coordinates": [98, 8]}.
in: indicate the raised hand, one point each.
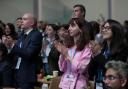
{"type": "Point", "coordinates": [61, 48]}
{"type": "Point", "coordinates": [8, 41]}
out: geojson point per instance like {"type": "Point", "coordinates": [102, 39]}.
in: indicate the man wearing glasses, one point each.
{"type": "Point", "coordinates": [116, 76]}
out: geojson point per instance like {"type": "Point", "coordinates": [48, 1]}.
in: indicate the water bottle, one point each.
{"type": "Point", "coordinates": [99, 38]}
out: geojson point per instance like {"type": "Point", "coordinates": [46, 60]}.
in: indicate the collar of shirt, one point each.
{"type": "Point", "coordinates": [51, 40]}
{"type": "Point", "coordinates": [28, 31]}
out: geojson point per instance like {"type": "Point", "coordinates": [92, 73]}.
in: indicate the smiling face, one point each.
{"type": "Point", "coordinates": [73, 30]}
{"type": "Point", "coordinates": [7, 30]}
{"type": "Point", "coordinates": [61, 31]}
{"type": "Point", "coordinates": [106, 31]}
{"type": "Point", "coordinates": [50, 31]}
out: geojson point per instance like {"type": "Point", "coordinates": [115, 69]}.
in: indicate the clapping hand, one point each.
{"type": "Point", "coordinates": [62, 49]}
{"type": "Point", "coordinates": [8, 41]}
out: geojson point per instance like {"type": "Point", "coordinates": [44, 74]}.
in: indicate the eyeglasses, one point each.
{"type": "Point", "coordinates": [111, 77]}
{"type": "Point", "coordinates": [106, 28]}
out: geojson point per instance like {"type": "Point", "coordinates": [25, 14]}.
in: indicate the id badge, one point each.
{"type": "Point", "coordinates": [99, 85]}
{"type": "Point", "coordinates": [70, 77]}
{"type": "Point", "coordinates": [18, 63]}
{"type": "Point", "coordinates": [69, 80]}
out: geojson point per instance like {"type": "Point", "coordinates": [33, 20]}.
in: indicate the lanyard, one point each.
{"type": "Point", "coordinates": [72, 53]}
{"type": "Point", "coordinates": [106, 53]}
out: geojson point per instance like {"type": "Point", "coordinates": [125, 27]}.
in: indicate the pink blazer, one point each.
{"type": "Point", "coordinates": [77, 68]}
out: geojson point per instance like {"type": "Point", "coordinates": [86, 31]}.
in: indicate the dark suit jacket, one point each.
{"type": "Point", "coordinates": [5, 73]}
{"type": "Point", "coordinates": [28, 52]}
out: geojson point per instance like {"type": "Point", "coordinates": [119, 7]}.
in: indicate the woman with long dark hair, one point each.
{"type": "Point", "coordinates": [114, 49]}
{"type": "Point", "coordinates": [74, 60]}
{"type": "Point", "coordinates": [9, 29]}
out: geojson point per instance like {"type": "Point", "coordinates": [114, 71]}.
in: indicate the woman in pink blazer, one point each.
{"type": "Point", "coordinates": [74, 61]}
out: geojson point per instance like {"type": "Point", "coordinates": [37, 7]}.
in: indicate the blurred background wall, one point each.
{"type": "Point", "coordinates": [11, 9]}
{"type": "Point", "coordinates": [60, 11]}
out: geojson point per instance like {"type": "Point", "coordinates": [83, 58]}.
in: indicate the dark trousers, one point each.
{"type": "Point", "coordinates": [24, 84]}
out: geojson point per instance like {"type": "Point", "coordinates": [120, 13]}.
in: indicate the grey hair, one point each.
{"type": "Point", "coordinates": [119, 66]}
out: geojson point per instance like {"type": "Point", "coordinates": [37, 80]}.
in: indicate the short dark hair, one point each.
{"type": "Point", "coordinates": [19, 18]}
{"type": "Point", "coordinates": [82, 8]}
{"type": "Point", "coordinates": [54, 26]}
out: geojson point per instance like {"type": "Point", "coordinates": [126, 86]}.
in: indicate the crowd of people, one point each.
{"type": "Point", "coordinates": [81, 51]}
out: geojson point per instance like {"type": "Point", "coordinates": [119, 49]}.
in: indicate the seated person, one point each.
{"type": "Point", "coordinates": [116, 76]}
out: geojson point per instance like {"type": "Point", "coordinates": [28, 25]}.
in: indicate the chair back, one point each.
{"type": "Point", "coordinates": [55, 83]}
{"type": "Point", "coordinates": [91, 85]}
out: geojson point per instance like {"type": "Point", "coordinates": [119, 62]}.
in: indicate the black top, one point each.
{"type": "Point", "coordinates": [97, 64]}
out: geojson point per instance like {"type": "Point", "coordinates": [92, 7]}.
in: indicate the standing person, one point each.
{"type": "Point", "coordinates": [9, 29]}
{"type": "Point", "coordinates": [40, 25]}
{"type": "Point", "coordinates": [26, 51]}
{"type": "Point", "coordinates": [79, 11]}
{"type": "Point", "coordinates": [18, 25]}
{"type": "Point", "coordinates": [74, 60]}
{"type": "Point", "coordinates": [49, 53]}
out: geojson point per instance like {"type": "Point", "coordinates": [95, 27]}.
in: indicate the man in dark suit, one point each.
{"type": "Point", "coordinates": [26, 51]}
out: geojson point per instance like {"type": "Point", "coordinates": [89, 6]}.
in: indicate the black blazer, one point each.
{"type": "Point", "coordinates": [29, 52]}
{"type": "Point", "coordinates": [53, 59]}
